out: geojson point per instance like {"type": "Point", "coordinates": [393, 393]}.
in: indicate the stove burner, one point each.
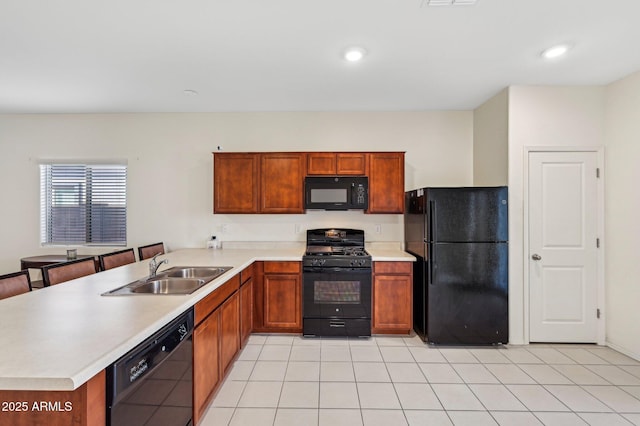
{"type": "Point", "coordinates": [319, 250]}
{"type": "Point", "coordinates": [350, 251]}
{"type": "Point", "coordinates": [336, 248]}
{"type": "Point", "coordinates": [335, 251]}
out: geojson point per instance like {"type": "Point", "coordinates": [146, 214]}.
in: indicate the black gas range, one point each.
{"type": "Point", "coordinates": [336, 284]}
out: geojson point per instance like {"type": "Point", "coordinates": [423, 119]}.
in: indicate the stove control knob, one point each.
{"type": "Point", "coordinates": [321, 261]}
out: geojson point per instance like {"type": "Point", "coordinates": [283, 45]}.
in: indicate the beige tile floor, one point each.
{"type": "Point", "coordinates": [289, 380]}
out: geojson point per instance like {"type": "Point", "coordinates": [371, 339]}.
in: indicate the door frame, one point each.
{"type": "Point", "coordinates": [600, 232]}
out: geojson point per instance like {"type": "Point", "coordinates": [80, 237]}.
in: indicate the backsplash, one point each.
{"type": "Point", "coordinates": [377, 227]}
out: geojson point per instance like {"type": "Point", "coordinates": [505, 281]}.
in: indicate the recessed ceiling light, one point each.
{"type": "Point", "coordinates": [448, 2]}
{"type": "Point", "coordinates": [354, 54]}
{"type": "Point", "coordinates": [189, 92]}
{"type": "Point", "coordinates": [555, 51]}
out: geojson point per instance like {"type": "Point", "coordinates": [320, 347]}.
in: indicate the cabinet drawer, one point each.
{"type": "Point", "coordinates": [246, 274]}
{"type": "Point", "coordinates": [282, 267]}
{"type": "Point", "coordinates": [392, 267]}
{"type": "Point", "coordinates": [215, 299]}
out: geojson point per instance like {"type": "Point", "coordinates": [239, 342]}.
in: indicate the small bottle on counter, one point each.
{"type": "Point", "coordinates": [213, 243]}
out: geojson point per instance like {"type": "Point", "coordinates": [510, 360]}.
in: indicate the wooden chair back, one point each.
{"type": "Point", "coordinates": [14, 284]}
{"type": "Point", "coordinates": [117, 258]}
{"type": "Point", "coordinates": [66, 271]}
{"type": "Point", "coordinates": [148, 251]}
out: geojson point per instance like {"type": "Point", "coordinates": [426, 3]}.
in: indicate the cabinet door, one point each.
{"type": "Point", "coordinates": [246, 310]}
{"type": "Point", "coordinates": [282, 182]}
{"type": "Point", "coordinates": [321, 163]}
{"type": "Point", "coordinates": [206, 369]}
{"type": "Point", "coordinates": [392, 303]}
{"type": "Point", "coordinates": [351, 163]}
{"type": "Point", "coordinates": [235, 182]}
{"type": "Point", "coordinates": [282, 301]}
{"type": "Point", "coordinates": [386, 182]}
{"type": "Point", "coordinates": [229, 331]}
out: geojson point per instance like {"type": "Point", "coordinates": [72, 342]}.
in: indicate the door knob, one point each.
{"type": "Point", "coordinates": [536, 256]}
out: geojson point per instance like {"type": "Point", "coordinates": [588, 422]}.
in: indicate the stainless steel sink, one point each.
{"type": "Point", "coordinates": [170, 286]}
{"type": "Point", "coordinates": [193, 272]}
{"type": "Point", "coordinates": [176, 280]}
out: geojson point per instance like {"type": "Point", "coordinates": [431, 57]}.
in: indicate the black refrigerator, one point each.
{"type": "Point", "coordinates": [460, 239]}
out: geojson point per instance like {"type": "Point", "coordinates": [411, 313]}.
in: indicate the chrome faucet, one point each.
{"type": "Point", "coordinates": [154, 265]}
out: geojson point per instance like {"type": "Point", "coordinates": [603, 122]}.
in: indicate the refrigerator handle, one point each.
{"type": "Point", "coordinates": [432, 237]}
{"type": "Point", "coordinates": [432, 262]}
{"type": "Point", "coordinates": [433, 221]}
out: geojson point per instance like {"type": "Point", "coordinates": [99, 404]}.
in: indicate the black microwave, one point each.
{"type": "Point", "coordinates": [336, 192]}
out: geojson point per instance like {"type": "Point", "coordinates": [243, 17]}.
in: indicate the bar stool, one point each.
{"type": "Point", "coordinates": [148, 251]}
{"type": "Point", "coordinates": [65, 271]}
{"type": "Point", "coordinates": [117, 258]}
{"type": "Point", "coordinates": [14, 284]}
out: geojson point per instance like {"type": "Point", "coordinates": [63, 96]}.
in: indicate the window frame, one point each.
{"type": "Point", "coordinates": [91, 196]}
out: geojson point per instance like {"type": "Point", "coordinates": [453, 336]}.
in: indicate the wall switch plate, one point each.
{"type": "Point", "coordinates": [296, 228]}
{"type": "Point", "coordinates": [224, 228]}
{"type": "Point", "coordinates": [378, 228]}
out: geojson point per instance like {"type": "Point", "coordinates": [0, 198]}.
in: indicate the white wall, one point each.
{"type": "Point", "coordinates": [170, 168]}
{"type": "Point", "coordinates": [542, 116]}
{"type": "Point", "coordinates": [622, 226]}
{"type": "Point", "coordinates": [491, 141]}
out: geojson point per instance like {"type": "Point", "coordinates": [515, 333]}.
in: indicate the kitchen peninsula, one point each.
{"type": "Point", "coordinates": [57, 341]}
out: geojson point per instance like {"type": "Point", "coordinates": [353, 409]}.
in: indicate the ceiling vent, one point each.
{"type": "Point", "coordinates": [449, 2]}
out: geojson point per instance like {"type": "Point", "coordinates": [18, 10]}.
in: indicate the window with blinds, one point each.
{"type": "Point", "coordinates": [83, 204]}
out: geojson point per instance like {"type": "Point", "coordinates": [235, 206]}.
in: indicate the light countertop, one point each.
{"type": "Point", "coordinates": [59, 337]}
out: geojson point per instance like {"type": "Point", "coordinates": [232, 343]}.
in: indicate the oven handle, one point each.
{"type": "Point", "coordinates": [325, 270]}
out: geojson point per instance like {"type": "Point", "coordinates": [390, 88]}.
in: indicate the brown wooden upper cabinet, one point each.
{"type": "Point", "coordinates": [386, 182]}
{"type": "Point", "coordinates": [236, 182]}
{"type": "Point", "coordinates": [258, 182]}
{"type": "Point", "coordinates": [282, 182]}
{"type": "Point", "coordinates": [340, 163]}
{"type": "Point", "coordinates": [273, 182]}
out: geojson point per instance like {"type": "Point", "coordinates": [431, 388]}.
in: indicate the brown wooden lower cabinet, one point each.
{"type": "Point", "coordinates": [85, 406]}
{"type": "Point", "coordinates": [206, 364]}
{"type": "Point", "coordinates": [282, 301]}
{"type": "Point", "coordinates": [216, 342]}
{"type": "Point", "coordinates": [278, 297]}
{"type": "Point", "coordinates": [246, 311]}
{"type": "Point", "coordinates": [229, 332]}
{"type": "Point", "coordinates": [392, 298]}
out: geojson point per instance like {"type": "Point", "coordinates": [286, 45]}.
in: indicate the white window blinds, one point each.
{"type": "Point", "coordinates": [83, 204]}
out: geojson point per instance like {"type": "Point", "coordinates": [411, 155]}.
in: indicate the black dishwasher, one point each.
{"type": "Point", "coordinates": [152, 384]}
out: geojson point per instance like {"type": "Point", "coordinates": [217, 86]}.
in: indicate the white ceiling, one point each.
{"type": "Point", "coordinates": [285, 55]}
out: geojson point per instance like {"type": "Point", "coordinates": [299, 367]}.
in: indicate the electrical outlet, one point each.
{"type": "Point", "coordinates": [296, 228]}
{"type": "Point", "coordinates": [378, 228]}
{"type": "Point", "coordinates": [224, 228]}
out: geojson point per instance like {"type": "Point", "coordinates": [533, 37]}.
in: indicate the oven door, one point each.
{"type": "Point", "coordinates": [337, 293]}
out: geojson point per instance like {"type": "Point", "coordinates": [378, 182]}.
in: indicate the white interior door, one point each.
{"type": "Point", "coordinates": [563, 267]}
